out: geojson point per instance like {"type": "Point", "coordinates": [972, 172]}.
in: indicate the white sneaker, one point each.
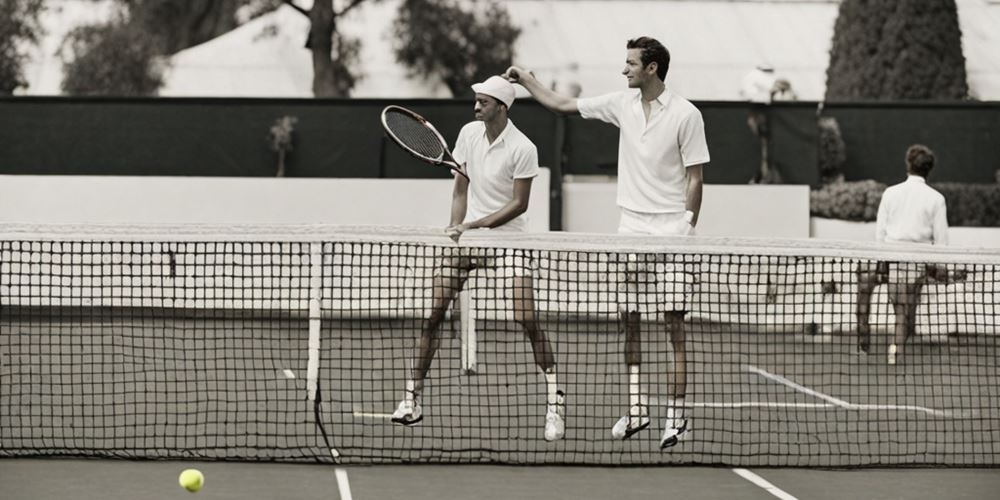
{"type": "Point", "coordinates": [673, 431]}
{"type": "Point", "coordinates": [634, 421]}
{"type": "Point", "coordinates": [555, 418]}
{"type": "Point", "coordinates": [408, 412]}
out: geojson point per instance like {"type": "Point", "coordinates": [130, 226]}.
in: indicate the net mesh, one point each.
{"type": "Point", "coordinates": [412, 134]}
{"type": "Point", "coordinates": [285, 343]}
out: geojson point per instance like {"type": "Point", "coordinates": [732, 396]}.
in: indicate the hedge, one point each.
{"type": "Point", "coordinates": [976, 205]}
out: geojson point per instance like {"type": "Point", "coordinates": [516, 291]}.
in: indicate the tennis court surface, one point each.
{"type": "Point", "coordinates": [294, 345]}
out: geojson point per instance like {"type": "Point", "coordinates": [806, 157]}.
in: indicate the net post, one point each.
{"type": "Point", "coordinates": [467, 320]}
{"type": "Point", "coordinates": [315, 299]}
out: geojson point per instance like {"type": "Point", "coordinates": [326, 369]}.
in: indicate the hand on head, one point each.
{"type": "Point", "coordinates": [515, 74]}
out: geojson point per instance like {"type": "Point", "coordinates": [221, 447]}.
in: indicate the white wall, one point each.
{"type": "Point", "coordinates": [726, 210]}
{"type": "Point", "coordinates": [239, 200]}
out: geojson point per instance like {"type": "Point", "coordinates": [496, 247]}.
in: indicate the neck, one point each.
{"type": "Point", "coordinates": [652, 90]}
{"type": "Point", "coordinates": [495, 127]}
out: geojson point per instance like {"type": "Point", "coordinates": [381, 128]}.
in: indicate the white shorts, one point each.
{"type": "Point", "coordinates": [668, 224]}
{"type": "Point", "coordinates": [654, 283]}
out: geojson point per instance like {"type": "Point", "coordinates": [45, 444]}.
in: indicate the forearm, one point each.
{"type": "Point", "coordinates": [694, 190]}
{"type": "Point", "coordinates": [547, 97]}
{"type": "Point", "coordinates": [509, 212]}
{"type": "Point", "coordinates": [459, 205]}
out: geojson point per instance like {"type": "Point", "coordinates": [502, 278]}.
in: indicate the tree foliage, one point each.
{"type": "Point", "coordinates": [18, 27]}
{"type": "Point", "coordinates": [461, 46]}
{"type": "Point", "coordinates": [115, 58]}
{"type": "Point", "coordinates": [124, 56]}
{"type": "Point", "coordinates": [899, 50]}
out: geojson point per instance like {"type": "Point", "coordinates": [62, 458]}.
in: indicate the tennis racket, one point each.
{"type": "Point", "coordinates": [418, 137]}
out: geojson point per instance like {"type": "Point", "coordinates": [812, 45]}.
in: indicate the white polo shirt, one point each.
{"type": "Point", "coordinates": [653, 156]}
{"type": "Point", "coordinates": [492, 169]}
{"type": "Point", "coordinates": [912, 211]}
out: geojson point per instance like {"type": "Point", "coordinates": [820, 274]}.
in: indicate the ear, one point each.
{"type": "Point", "coordinates": [652, 67]}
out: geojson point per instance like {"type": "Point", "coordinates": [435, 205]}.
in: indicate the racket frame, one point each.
{"type": "Point", "coordinates": [446, 158]}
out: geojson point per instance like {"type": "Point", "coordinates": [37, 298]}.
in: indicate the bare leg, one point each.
{"type": "Point", "coordinates": [675, 425]}
{"type": "Point", "coordinates": [675, 323]}
{"type": "Point", "coordinates": [524, 315]}
{"type": "Point", "coordinates": [633, 354]}
{"type": "Point", "coordinates": [868, 279]}
{"type": "Point", "coordinates": [446, 286]}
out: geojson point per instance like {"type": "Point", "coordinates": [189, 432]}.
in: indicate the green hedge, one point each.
{"type": "Point", "coordinates": [976, 205]}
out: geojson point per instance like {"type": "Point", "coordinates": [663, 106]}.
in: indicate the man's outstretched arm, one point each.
{"type": "Point", "coordinates": [547, 97]}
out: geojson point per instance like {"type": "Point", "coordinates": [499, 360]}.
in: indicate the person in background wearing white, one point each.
{"type": "Point", "coordinates": [909, 212]}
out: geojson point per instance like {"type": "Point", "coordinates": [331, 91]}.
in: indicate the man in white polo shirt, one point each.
{"type": "Point", "coordinates": [501, 162]}
{"type": "Point", "coordinates": [661, 153]}
{"type": "Point", "coordinates": [909, 212]}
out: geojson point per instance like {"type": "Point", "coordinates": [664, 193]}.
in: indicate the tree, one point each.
{"type": "Point", "coordinates": [18, 26]}
{"type": "Point", "coordinates": [901, 50]}
{"type": "Point", "coordinates": [124, 56]}
{"type": "Point", "coordinates": [333, 54]}
{"type": "Point", "coordinates": [115, 58]}
{"type": "Point", "coordinates": [463, 47]}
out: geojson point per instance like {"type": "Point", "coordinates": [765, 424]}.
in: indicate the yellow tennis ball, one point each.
{"type": "Point", "coordinates": [192, 480]}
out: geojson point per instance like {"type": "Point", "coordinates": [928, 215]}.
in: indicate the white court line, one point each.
{"type": "Point", "coordinates": [289, 373]}
{"type": "Point", "coordinates": [362, 414]}
{"type": "Point", "coordinates": [653, 400]}
{"type": "Point", "coordinates": [763, 483]}
{"type": "Point", "coordinates": [343, 484]}
{"type": "Point", "coordinates": [840, 402]}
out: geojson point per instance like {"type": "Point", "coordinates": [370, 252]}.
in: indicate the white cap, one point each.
{"type": "Point", "coordinates": [498, 88]}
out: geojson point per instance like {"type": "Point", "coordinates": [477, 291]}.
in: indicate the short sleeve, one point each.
{"type": "Point", "coordinates": [526, 162]}
{"type": "Point", "coordinates": [692, 142]}
{"type": "Point", "coordinates": [605, 107]}
{"type": "Point", "coordinates": [460, 152]}
{"type": "Point", "coordinates": [940, 229]}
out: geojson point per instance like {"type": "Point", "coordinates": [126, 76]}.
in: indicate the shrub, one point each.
{"type": "Point", "coordinates": [896, 50]}
{"type": "Point", "coordinates": [974, 205]}
{"type": "Point", "coordinates": [832, 151]}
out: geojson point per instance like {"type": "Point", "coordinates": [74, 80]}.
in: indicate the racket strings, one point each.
{"type": "Point", "coordinates": [414, 135]}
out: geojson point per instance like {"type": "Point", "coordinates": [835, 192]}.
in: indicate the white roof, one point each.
{"type": "Point", "coordinates": [266, 57]}
{"type": "Point", "coordinates": [713, 44]}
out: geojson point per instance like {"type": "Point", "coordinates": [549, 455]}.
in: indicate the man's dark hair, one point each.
{"type": "Point", "coordinates": [919, 160]}
{"type": "Point", "coordinates": [652, 51]}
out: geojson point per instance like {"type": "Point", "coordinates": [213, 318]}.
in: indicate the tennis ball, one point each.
{"type": "Point", "coordinates": [192, 480]}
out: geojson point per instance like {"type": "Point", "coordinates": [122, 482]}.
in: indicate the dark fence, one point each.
{"type": "Point", "coordinates": [343, 138]}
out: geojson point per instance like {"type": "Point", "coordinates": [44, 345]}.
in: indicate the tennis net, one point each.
{"type": "Point", "coordinates": [299, 342]}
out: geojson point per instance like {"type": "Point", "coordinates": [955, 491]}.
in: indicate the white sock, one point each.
{"type": "Point", "coordinates": [634, 397]}
{"type": "Point", "coordinates": [550, 383]}
{"type": "Point", "coordinates": [410, 391]}
{"type": "Point", "coordinates": [675, 410]}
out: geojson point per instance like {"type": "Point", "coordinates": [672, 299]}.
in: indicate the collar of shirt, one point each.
{"type": "Point", "coordinates": [915, 178]}
{"type": "Point", "coordinates": [500, 138]}
{"type": "Point", "coordinates": [657, 104]}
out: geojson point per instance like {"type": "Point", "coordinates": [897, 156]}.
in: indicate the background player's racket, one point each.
{"type": "Point", "coordinates": [417, 136]}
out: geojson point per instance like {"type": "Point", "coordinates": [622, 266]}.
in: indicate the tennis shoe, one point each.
{"type": "Point", "coordinates": [634, 421]}
{"type": "Point", "coordinates": [555, 418]}
{"type": "Point", "coordinates": [408, 412]}
{"type": "Point", "coordinates": [673, 432]}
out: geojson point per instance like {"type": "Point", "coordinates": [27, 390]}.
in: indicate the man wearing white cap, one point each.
{"type": "Point", "coordinates": [501, 162]}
